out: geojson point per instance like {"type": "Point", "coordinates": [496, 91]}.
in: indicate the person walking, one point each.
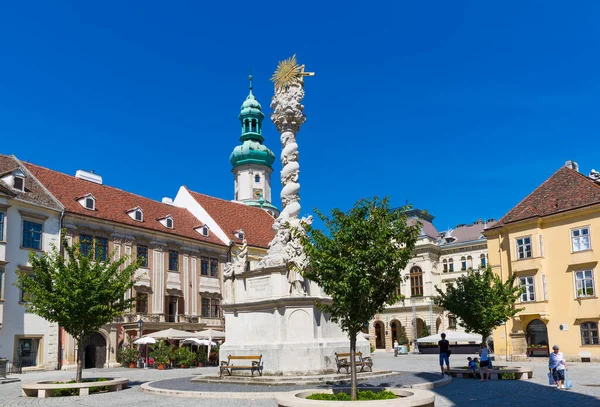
{"type": "Point", "coordinates": [484, 362]}
{"type": "Point", "coordinates": [444, 346]}
{"type": "Point", "coordinates": [557, 366]}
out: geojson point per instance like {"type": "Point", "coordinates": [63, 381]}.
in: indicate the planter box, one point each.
{"type": "Point", "coordinates": [407, 397]}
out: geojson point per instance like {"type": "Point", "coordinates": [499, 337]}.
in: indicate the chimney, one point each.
{"type": "Point", "coordinates": [572, 165]}
{"type": "Point", "coordinates": [595, 176]}
{"type": "Point", "coordinates": [167, 200]}
{"type": "Point", "coordinates": [490, 220]}
{"type": "Point", "coordinates": [462, 225]}
{"type": "Point", "coordinates": [89, 176]}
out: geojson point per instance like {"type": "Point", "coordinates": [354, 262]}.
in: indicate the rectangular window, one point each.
{"type": "Point", "coordinates": [483, 261]}
{"type": "Point", "coordinates": [214, 268]}
{"type": "Point", "coordinates": [32, 235]}
{"type": "Point", "coordinates": [524, 248]}
{"type": "Point", "coordinates": [204, 266]}
{"type": "Point", "coordinates": [1, 226]}
{"type": "Point", "coordinates": [463, 265]}
{"type": "Point", "coordinates": [451, 267]}
{"type": "Point", "coordinates": [1, 283]}
{"type": "Point", "coordinates": [101, 248]}
{"type": "Point", "coordinates": [451, 322]}
{"type": "Point", "coordinates": [142, 255]}
{"type": "Point", "coordinates": [589, 333]}
{"type": "Point", "coordinates": [173, 260]}
{"type": "Point", "coordinates": [85, 244]}
{"type": "Point", "coordinates": [23, 296]}
{"type": "Point", "coordinates": [445, 267]}
{"type": "Point", "coordinates": [205, 310]}
{"type": "Point", "coordinates": [141, 303]}
{"type": "Point", "coordinates": [584, 283]}
{"type": "Point", "coordinates": [215, 309]}
{"type": "Point", "coordinates": [580, 239]}
{"type": "Point", "coordinates": [529, 293]}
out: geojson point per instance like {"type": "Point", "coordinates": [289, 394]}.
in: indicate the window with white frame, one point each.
{"type": "Point", "coordinates": [19, 183]}
{"type": "Point", "coordinates": [580, 239]}
{"type": "Point", "coordinates": [169, 223]}
{"type": "Point", "coordinates": [1, 226]}
{"type": "Point", "coordinates": [139, 216]}
{"type": "Point", "coordinates": [89, 203]}
{"type": "Point", "coordinates": [445, 263]}
{"type": "Point", "coordinates": [584, 283]}
{"type": "Point", "coordinates": [469, 262]}
{"type": "Point", "coordinates": [589, 333]}
{"type": "Point", "coordinates": [451, 265]}
{"type": "Point", "coordinates": [483, 261]}
{"type": "Point", "coordinates": [463, 263]}
{"type": "Point", "coordinates": [527, 283]}
{"type": "Point", "coordinates": [524, 248]}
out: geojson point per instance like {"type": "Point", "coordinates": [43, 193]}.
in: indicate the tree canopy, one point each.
{"type": "Point", "coordinates": [78, 292]}
{"type": "Point", "coordinates": [358, 261]}
{"type": "Point", "coordinates": [481, 300]}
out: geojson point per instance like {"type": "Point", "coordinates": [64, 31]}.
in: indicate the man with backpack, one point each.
{"type": "Point", "coordinates": [445, 353]}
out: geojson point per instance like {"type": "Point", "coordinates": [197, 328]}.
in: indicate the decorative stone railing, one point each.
{"type": "Point", "coordinates": [44, 389]}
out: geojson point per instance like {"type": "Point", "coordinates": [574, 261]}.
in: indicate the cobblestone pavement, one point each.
{"type": "Point", "coordinates": [462, 392]}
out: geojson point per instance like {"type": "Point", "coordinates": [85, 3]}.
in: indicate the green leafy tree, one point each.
{"type": "Point", "coordinates": [402, 337]}
{"type": "Point", "coordinates": [77, 292]}
{"type": "Point", "coordinates": [358, 262]}
{"type": "Point", "coordinates": [425, 332]}
{"type": "Point", "coordinates": [481, 300]}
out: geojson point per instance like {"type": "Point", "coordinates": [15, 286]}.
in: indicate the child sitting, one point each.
{"type": "Point", "coordinates": [472, 366]}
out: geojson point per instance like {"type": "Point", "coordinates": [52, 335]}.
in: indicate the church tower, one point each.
{"type": "Point", "coordinates": [252, 161]}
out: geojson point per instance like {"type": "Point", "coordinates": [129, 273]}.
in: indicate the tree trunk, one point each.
{"type": "Point", "coordinates": [353, 365]}
{"type": "Point", "coordinates": [80, 353]}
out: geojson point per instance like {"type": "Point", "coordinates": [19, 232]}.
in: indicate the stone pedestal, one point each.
{"type": "Point", "coordinates": [289, 331]}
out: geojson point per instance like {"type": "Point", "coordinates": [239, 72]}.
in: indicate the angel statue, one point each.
{"type": "Point", "coordinates": [228, 283]}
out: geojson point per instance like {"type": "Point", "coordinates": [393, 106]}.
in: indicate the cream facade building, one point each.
{"type": "Point", "coordinates": [549, 240]}
{"type": "Point", "coordinates": [29, 221]}
{"type": "Point", "coordinates": [439, 259]}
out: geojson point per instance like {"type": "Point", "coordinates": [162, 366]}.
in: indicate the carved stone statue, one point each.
{"type": "Point", "coordinates": [242, 257]}
{"type": "Point", "coordinates": [288, 116]}
{"type": "Point", "coordinates": [228, 283]}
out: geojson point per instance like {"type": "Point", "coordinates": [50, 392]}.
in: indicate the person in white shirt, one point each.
{"type": "Point", "coordinates": [557, 367]}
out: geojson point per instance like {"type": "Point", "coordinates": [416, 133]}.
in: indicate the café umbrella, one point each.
{"type": "Point", "coordinates": [145, 341]}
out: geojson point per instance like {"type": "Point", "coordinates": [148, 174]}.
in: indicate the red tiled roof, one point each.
{"type": "Point", "coordinates": [112, 204]}
{"type": "Point", "coordinates": [565, 190]}
{"type": "Point", "coordinates": [256, 223]}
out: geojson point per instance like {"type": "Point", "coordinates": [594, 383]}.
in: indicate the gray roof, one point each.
{"type": "Point", "coordinates": [468, 233]}
{"type": "Point", "coordinates": [34, 193]}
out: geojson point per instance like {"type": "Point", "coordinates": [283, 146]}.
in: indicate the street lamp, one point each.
{"type": "Point", "coordinates": [140, 324]}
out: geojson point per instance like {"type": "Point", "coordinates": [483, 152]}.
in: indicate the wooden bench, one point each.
{"type": "Point", "coordinates": [255, 366]}
{"type": "Point", "coordinates": [342, 361]}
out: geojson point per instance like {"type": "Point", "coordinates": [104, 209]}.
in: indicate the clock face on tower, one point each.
{"type": "Point", "coordinates": [258, 193]}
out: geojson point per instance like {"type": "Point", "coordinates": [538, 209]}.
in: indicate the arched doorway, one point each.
{"type": "Point", "coordinates": [395, 326]}
{"type": "Point", "coordinates": [95, 352]}
{"type": "Point", "coordinates": [380, 333]}
{"type": "Point", "coordinates": [420, 326]}
{"type": "Point", "coordinates": [537, 336]}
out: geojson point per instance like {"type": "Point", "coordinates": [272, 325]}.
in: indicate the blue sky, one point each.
{"type": "Point", "coordinates": [461, 107]}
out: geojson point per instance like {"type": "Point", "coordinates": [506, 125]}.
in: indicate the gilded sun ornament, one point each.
{"type": "Point", "coordinates": [289, 72]}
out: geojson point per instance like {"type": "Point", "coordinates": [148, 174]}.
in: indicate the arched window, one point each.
{"type": "Point", "coordinates": [254, 125]}
{"type": "Point", "coordinates": [246, 125]}
{"type": "Point", "coordinates": [463, 263]}
{"type": "Point", "coordinates": [416, 282]}
{"type": "Point", "coordinates": [257, 178]}
{"type": "Point", "coordinates": [483, 262]}
{"type": "Point", "coordinates": [469, 262]}
{"type": "Point", "coordinates": [589, 333]}
{"type": "Point", "coordinates": [451, 265]}
{"type": "Point", "coordinates": [445, 263]}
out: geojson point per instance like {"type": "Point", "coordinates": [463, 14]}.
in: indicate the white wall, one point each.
{"type": "Point", "coordinates": [15, 321]}
{"type": "Point", "coordinates": [244, 174]}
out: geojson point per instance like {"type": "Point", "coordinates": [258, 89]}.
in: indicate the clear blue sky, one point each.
{"type": "Point", "coordinates": [463, 107]}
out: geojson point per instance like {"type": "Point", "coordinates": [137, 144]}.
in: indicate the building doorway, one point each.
{"type": "Point", "coordinates": [395, 325]}
{"type": "Point", "coordinates": [380, 333]}
{"type": "Point", "coordinates": [537, 339]}
{"type": "Point", "coordinates": [95, 352]}
{"type": "Point", "coordinates": [172, 308]}
{"type": "Point", "coordinates": [27, 351]}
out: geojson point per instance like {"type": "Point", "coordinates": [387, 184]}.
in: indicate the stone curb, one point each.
{"type": "Point", "coordinates": [446, 380]}
{"type": "Point", "coordinates": [147, 388]}
{"type": "Point", "coordinates": [290, 380]}
{"type": "Point", "coordinates": [409, 398]}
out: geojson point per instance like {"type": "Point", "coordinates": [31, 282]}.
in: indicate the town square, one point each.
{"type": "Point", "coordinates": [156, 246]}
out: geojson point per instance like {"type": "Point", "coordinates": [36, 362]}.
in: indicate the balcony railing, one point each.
{"type": "Point", "coordinates": [133, 318]}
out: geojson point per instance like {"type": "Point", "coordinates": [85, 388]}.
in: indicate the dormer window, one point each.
{"type": "Point", "coordinates": [136, 214]}
{"type": "Point", "coordinates": [19, 183]}
{"type": "Point", "coordinates": [88, 202]}
{"type": "Point", "coordinates": [239, 234]}
{"type": "Point", "coordinates": [203, 230]}
{"type": "Point", "coordinates": [167, 221]}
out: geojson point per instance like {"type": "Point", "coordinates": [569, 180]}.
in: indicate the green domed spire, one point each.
{"type": "Point", "coordinates": [252, 151]}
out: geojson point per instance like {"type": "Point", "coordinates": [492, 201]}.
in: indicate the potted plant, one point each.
{"type": "Point", "coordinates": [201, 356]}
{"type": "Point", "coordinates": [184, 357]}
{"type": "Point", "coordinates": [128, 356]}
{"type": "Point", "coordinates": [162, 354]}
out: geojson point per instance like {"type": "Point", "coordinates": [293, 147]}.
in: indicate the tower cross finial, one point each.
{"type": "Point", "coordinates": [250, 79]}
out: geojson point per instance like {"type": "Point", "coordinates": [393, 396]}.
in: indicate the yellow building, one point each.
{"type": "Point", "coordinates": [551, 240]}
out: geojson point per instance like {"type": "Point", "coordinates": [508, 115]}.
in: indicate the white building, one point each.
{"type": "Point", "coordinates": [29, 220]}
{"type": "Point", "coordinates": [439, 259]}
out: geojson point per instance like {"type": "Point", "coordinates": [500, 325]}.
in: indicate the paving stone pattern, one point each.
{"type": "Point", "coordinates": [462, 392]}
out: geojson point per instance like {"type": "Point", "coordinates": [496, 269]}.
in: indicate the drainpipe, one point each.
{"type": "Point", "coordinates": [61, 352]}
